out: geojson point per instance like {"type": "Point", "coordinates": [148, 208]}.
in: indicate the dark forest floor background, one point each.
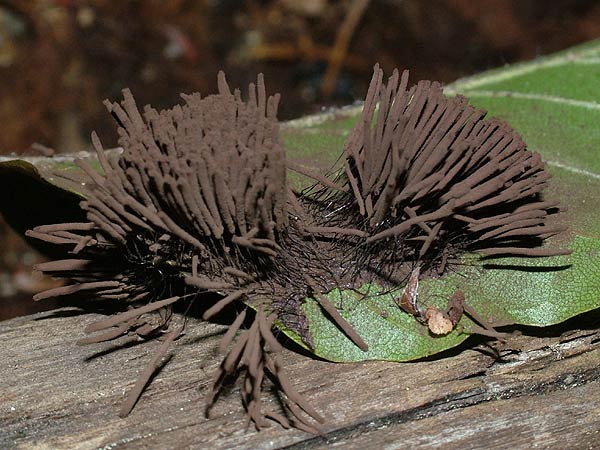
{"type": "Point", "coordinates": [59, 59]}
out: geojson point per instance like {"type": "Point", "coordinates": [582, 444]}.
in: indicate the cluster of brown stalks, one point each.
{"type": "Point", "coordinates": [195, 204]}
{"type": "Point", "coordinates": [249, 352]}
{"type": "Point", "coordinates": [198, 206]}
{"type": "Point", "coordinates": [209, 175]}
{"type": "Point", "coordinates": [426, 171]}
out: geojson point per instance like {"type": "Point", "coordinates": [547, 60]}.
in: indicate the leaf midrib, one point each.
{"type": "Point", "coordinates": [589, 53]}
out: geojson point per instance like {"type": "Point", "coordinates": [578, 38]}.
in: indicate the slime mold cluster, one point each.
{"type": "Point", "coordinates": [197, 209]}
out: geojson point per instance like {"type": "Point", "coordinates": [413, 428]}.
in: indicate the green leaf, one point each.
{"type": "Point", "coordinates": [29, 199]}
{"type": "Point", "coordinates": [512, 291]}
{"type": "Point", "coordinates": [554, 102]}
{"type": "Point", "coordinates": [40, 190]}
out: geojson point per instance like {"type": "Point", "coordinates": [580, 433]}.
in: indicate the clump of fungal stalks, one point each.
{"type": "Point", "coordinates": [194, 207]}
{"type": "Point", "coordinates": [424, 174]}
{"type": "Point", "coordinates": [197, 208]}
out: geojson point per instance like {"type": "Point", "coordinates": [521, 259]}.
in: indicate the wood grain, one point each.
{"type": "Point", "coordinates": [54, 394]}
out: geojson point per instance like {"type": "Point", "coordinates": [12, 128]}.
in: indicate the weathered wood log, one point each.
{"type": "Point", "coordinates": [54, 394]}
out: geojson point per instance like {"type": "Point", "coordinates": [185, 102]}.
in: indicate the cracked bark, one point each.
{"type": "Point", "coordinates": [56, 394]}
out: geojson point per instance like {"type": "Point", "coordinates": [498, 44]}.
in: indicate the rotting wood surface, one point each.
{"type": "Point", "coordinates": [54, 394]}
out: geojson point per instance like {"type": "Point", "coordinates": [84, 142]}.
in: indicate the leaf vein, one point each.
{"type": "Point", "coordinates": [541, 97]}
{"type": "Point", "coordinates": [572, 169]}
